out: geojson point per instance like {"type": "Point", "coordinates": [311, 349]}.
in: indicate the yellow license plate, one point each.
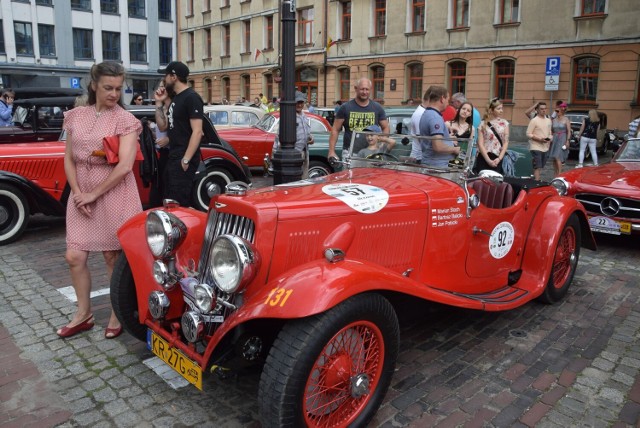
{"type": "Point", "coordinates": [625, 227]}
{"type": "Point", "coordinates": [185, 367]}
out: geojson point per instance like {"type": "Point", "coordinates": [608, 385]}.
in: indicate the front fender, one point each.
{"type": "Point", "coordinates": [39, 200]}
{"type": "Point", "coordinates": [544, 234]}
{"type": "Point", "coordinates": [133, 238]}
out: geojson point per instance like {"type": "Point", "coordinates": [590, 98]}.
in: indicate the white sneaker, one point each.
{"type": "Point", "coordinates": [579, 165]}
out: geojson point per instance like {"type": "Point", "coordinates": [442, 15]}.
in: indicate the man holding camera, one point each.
{"type": "Point", "coordinates": [6, 107]}
{"type": "Point", "coordinates": [539, 134]}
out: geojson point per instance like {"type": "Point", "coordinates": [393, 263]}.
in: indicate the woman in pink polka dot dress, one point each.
{"type": "Point", "coordinates": [102, 196]}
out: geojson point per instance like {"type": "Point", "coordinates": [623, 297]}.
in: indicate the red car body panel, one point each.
{"type": "Point", "coordinates": [253, 143]}
{"type": "Point", "coordinates": [421, 244]}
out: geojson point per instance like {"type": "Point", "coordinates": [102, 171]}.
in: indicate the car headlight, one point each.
{"type": "Point", "coordinates": [561, 186]}
{"type": "Point", "coordinates": [164, 233]}
{"type": "Point", "coordinates": [205, 297]}
{"type": "Point", "coordinates": [234, 262]}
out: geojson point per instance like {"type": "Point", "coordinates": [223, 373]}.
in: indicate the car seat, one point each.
{"type": "Point", "coordinates": [493, 195]}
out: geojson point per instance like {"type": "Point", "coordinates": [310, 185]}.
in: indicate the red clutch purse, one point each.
{"type": "Point", "coordinates": [111, 147]}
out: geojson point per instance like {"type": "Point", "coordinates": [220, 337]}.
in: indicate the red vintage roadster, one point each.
{"type": "Point", "coordinates": [305, 279]}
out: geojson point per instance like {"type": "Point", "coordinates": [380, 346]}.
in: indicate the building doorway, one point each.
{"type": "Point", "coordinates": [307, 83]}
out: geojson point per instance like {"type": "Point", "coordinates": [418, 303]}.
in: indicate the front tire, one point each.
{"type": "Point", "coordinates": [332, 369]}
{"type": "Point", "coordinates": [212, 182]}
{"type": "Point", "coordinates": [14, 213]}
{"type": "Point", "coordinates": [124, 299]}
{"type": "Point", "coordinates": [565, 262]}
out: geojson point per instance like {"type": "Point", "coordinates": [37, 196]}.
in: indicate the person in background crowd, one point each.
{"type": "Point", "coordinates": [454, 104]}
{"type": "Point", "coordinates": [6, 107]}
{"type": "Point", "coordinates": [530, 112]}
{"type": "Point", "coordinates": [493, 138]}
{"type": "Point", "coordinates": [303, 133]}
{"type": "Point", "coordinates": [561, 129]}
{"type": "Point", "coordinates": [338, 104]}
{"type": "Point", "coordinates": [273, 105]}
{"type": "Point", "coordinates": [95, 210]}
{"type": "Point", "coordinates": [462, 124]}
{"type": "Point", "coordinates": [257, 102]}
{"type": "Point", "coordinates": [539, 134]}
{"type": "Point", "coordinates": [156, 194]}
{"type": "Point", "coordinates": [183, 123]}
{"type": "Point", "coordinates": [588, 135]}
{"type": "Point", "coordinates": [634, 127]}
{"type": "Point", "coordinates": [311, 109]}
{"type": "Point", "coordinates": [137, 100]}
{"type": "Point", "coordinates": [438, 150]}
{"type": "Point", "coordinates": [263, 99]}
{"type": "Point", "coordinates": [355, 115]}
{"type": "Point", "coordinates": [416, 146]}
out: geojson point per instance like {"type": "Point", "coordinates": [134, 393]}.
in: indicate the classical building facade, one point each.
{"type": "Point", "coordinates": [54, 43]}
{"type": "Point", "coordinates": [585, 52]}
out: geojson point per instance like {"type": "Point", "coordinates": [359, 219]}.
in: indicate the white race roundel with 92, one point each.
{"type": "Point", "coordinates": [361, 197]}
{"type": "Point", "coordinates": [501, 240]}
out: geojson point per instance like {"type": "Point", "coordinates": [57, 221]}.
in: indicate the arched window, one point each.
{"type": "Point", "coordinates": [414, 74]}
{"type": "Point", "coordinates": [505, 72]}
{"type": "Point", "coordinates": [585, 80]}
{"type": "Point", "coordinates": [457, 76]}
{"type": "Point", "coordinates": [226, 88]}
{"type": "Point", "coordinates": [344, 74]}
{"type": "Point", "coordinates": [377, 79]}
{"type": "Point", "coordinates": [246, 86]}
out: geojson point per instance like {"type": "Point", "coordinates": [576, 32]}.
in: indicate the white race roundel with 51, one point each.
{"type": "Point", "coordinates": [361, 197]}
{"type": "Point", "coordinates": [501, 240]}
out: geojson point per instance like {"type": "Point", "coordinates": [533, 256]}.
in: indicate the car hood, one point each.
{"type": "Point", "coordinates": [362, 190]}
{"type": "Point", "coordinates": [623, 176]}
{"type": "Point", "coordinates": [239, 133]}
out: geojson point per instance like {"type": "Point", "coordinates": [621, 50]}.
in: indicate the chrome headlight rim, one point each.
{"type": "Point", "coordinates": [205, 297]}
{"type": "Point", "coordinates": [243, 267]}
{"type": "Point", "coordinates": [561, 185]}
{"type": "Point", "coordinates": [164, 232]}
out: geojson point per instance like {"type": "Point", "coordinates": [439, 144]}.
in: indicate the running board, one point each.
{"type": "Point", "coordinates": [497, 300]}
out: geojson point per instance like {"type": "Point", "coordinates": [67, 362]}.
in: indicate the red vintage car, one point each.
{"type": "Point", "coordinates": [252, 144]}
{"type": "Point", "coordinates": [306, 279]}
{"type": "Point", "coordinates": [610, 192]}
{"type": "Point", "coordinates": [32, 179]}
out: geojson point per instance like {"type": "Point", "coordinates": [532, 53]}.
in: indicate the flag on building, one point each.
{"type": "Point", "coordinates": [330, 43]}
{"type": "Point", "coordinates": [257, 54]}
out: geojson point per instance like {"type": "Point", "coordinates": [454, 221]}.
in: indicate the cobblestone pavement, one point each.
{"type": "Point", "coordinates": [574, 364]}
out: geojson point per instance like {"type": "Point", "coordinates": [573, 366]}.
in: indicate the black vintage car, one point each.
{"type": "Point", "coordinates": [36, 119]}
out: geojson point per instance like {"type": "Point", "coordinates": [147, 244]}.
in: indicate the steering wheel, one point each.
{"type": "Point", "coordinates": [383, 157]}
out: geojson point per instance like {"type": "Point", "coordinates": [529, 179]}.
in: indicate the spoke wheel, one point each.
{"type": "Point", "coordinates": [565, 262]}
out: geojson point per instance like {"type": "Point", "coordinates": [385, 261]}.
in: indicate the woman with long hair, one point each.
{"type": "Point", "coordinates": [461, 126]}
{"type": "Point", "coordinates": [95, 210]}
{"type": "Point", "coordinates": [137, 100]}
{"type": "Point", "coordinates": [588, 136]}
{"type": "Point", "coordinates": [493, 138]}
{"type": "Point", "coordinates": [561, 129]}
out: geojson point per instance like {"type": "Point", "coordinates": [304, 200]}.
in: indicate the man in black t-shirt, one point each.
{"type": "Point", "coordinates": [356, 115]}
{"type": "Point", "coordinates": [182, 121]}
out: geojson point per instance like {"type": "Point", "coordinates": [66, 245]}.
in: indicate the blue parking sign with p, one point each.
{"type": "Point", "coordinates": [553, 66]}
{"type": "Point", "coordinates": [75, 82]}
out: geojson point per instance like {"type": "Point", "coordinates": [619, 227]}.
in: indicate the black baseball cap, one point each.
{"type": "Point", "coordinates": [176, 67]}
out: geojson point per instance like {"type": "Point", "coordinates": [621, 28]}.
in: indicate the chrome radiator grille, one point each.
{"type": "Point", "coordinates": [610, 206]}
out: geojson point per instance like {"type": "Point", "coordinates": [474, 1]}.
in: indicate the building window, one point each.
{"type": "Point", "coordinates": [417, 16]}
{"type": "Point", "coordinates": [207, 43]}
{"type": "Point", "coordinates": [24, 38]}
{"type": "Point", "coordinates": [593, 7]}
{"type": "Point", "coordinates": [206, 7]}
{"type": "Point", "coordinates": [2, 50]}
{"type": "Point", "coordinates": [136, 9]}
{"type": "Point", "coordinates": [137, 48]}
{"type": "Point", "coordinates": [246, 86]}
{"type": "Point", "coordinates": [111, 46]}
{"type": "Point", "coordinates": [226, 40]}
{"type": "Point", "coordinates": [82, 43]}
{"type": "Point", "coordinates": [109, 6]}
{"type": "Point", "coordinates": [226, 88]}
{"type": "Point", "coordinates": [305, 26]}
{"type": "Point", "coordinates": [345, 83]}
{"type": "Point", "coordinates": [585, 80]}
{"type": "Point", "coordinates": [460, 13]}
{"type": "Point", "coordinates": [166, 50]}
{"type": "Point", "coordinates": [190, 46]}
{"type": "Point", "coordinates": [269, 32]}
{"type": "Point", "coordinates": [377, 79]}
{"type": "Point", "coordinates": [380, 18]}
{"type": "Point", "coordinates": [164, 10]}
{"type": "Point", "coordinates": [509, 10]}
{"type": "Point", "coordinates": [44, 2]}
{"type": "Point", "coordinates": [208, 90]}
{"type": "Point", "coordinates": [346, 20]}
{"type": "Point", "coordinates": [81, 4]}
{"type": "Point", "coordinates": [457, 77]}
{"type": "Point", "coordinates": [189, 6]}
{"type": "Point", "coordinates": [415, 81]}
{"type": "Point", "coordinates": [505, 71]}
{"type": "Point", "coordinates": [246, 35]}
{"type": "Point", "coordinates": [224, 3]}
{"type": "Point", "coordinates": [269, 80]}
{"type": "Point", "coordinates": [46, 40]}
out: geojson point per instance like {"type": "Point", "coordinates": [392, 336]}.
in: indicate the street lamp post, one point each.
{"type": "Point", "coordinates": [287, 161]}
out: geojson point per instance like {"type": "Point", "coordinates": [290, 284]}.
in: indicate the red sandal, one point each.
{"type": "Point", "coordinates": [112, 333]}
{"type": "Point", "coordinates": [85, 325]}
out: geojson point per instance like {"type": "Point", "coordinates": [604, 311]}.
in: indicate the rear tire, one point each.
{"type": "Point", "coordinates": [332, 369]}
{"type": "Point", "coordinates": [319, 169]}
{"type": "Point", "coordinates": [565, 262]}
{"type": "Point", "coordinates": [14, 213]}
{"type": "Point", "coordinates": [124, 299]}
{"type": "Point", "coordinates": [212, 182]}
